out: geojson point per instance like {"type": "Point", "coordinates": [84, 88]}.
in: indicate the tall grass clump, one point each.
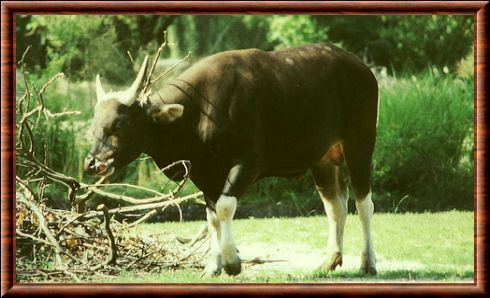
{"type": "Point", "coordinates": [424, 152]}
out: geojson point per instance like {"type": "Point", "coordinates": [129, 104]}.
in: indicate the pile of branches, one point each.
{"type": "Point", "coordinates": [82, 244]}
{"type": "Point", "coordinates": [56, 245]}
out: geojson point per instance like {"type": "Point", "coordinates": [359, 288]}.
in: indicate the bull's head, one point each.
{"type": "Point", "coordinates": [115, 128]}
{"type": "Point", "coordinates": [120, 126]}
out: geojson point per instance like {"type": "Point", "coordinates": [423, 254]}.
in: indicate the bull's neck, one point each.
{"type": "Point", "coordinates": [176, 91]}
{"type": "Point", "coordinates": [168, 142]}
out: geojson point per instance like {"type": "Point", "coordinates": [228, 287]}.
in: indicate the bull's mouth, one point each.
{"type": "Point", "coordinates": [100, 167]}
{"type": "Point", "coordinates": [104, 168]}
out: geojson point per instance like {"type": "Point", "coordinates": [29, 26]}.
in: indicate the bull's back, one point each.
{"type": "Point", "coordinates": [286, 107]}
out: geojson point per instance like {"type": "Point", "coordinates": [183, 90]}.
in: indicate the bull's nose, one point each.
{"type": "Point", "coordinates": [89, 163]}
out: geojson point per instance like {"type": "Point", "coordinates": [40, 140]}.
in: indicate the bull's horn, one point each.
{"type": "Point", "coordinates": [98, 87]}
{"type": "Point", "coordinates": [129, 96]}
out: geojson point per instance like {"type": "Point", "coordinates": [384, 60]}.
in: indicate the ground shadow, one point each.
{"type": "Point", "coordinates": [389, 275]}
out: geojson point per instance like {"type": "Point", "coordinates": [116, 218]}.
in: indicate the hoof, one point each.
{"type": "Point", "coordinates": [233, 269]}
{"type": "Point", "coordinates": [211, 271]}
{"type": "Point", "coordinates": [333, 261]}
{"type": "Point", "coordinates": [368, 265]}
{"type": "Point", "coordinates": [369, 270]}
{"type": "Point", "coordinates": [213, 268]}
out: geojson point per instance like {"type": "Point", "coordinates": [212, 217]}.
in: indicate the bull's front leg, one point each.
{"type": "Point", "coordinates": [239, 179]}
{"type": "Point", "coordinates": [213, 267]}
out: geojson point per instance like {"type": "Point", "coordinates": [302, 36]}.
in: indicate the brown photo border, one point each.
{"type": "Point", "coordinates": [479, 9]}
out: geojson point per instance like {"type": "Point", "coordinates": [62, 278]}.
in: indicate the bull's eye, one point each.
{"type": "Point", "coordinates": [119, 124]}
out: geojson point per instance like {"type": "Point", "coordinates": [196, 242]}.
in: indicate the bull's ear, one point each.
{"type": "Point", "coordinates": [168, 112]}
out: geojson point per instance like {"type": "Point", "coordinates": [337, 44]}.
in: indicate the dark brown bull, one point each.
{"type": "Point", "coordinates": [246, 114]}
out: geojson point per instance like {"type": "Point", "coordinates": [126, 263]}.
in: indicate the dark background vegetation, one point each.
{"type": "Point", "coordinates": [424, 64]}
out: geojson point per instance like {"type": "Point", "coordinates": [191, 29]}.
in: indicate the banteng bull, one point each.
{"type": "Point", "coordinates": [242, 115]}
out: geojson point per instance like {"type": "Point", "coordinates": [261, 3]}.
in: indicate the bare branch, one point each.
{"type": "Point", "coordinates": [111, 259]}
{"type": "Point", "coordinates": [42, 224]}
{"type": "Point", "coordinates": [129, 199]}
{"type": "Point", "coordinates": [171, 68]}
{"type": "Point", "coordinates": [96, 185]}
{"type": "Point", "coordinates": [144, 218]}
{"type": "Point", "coordinates": [21, 61]}
{"type": "Point", "coordinates": [146, 86]}
{"type": "Point", "coordinates": [130, 57]}
{"type": "Point", "coordinates": [141, 207]}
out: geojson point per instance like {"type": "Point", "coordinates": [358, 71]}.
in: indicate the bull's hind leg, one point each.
{"type": "Point", "coordinates": [335, 196]}
{"type": "Point", "coordinates": [358, 160]}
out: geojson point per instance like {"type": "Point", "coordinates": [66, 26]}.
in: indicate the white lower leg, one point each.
{"type": "Point", "coordinates": [336, 214]}
{"type": "Point", "coordinates": [365, 208]}
{"type": "Point", "coordinates": [214, 264]}
{"type": "Point", "coordinates": [225, 210]}
{"type": "Point", "coordinates": [336, 210]}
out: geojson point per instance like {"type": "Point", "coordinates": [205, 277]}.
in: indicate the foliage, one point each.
{"type": "Point", "coordinates": [83, 45]}
{"type": "Point", "coordinates": [205, 35]}
{"type": "Point", "coordinates": [76, 44]}
{"type": "Point", "coordinates": [400, 42]}
{"type": "Point", "coordinates": [296, 30]}
{"type": "Point", "coordinates": [424, 144]}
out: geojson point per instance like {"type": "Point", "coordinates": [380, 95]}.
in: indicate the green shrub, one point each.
{"type": "Point", "coordinates": [424, 147]}
{"type": "Point", "coordinates": [401, 42]}
{"type": "Point", "coordinates": [296, 30]}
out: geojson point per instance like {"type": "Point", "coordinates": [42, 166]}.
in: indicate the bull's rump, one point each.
{"type": "Point", "coordinates": [318, 95]}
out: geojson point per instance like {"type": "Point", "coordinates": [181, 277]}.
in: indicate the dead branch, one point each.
{"type": "Point", "coordinates": [144, 218]}
{"type": "Point", "coordinates": [130, 57]}
{"type": "Point", "coordinates": [203, 232]}
{"type": "Point", "coordinates": [21, 61]}
{"type": "Point", "coordinates": [42, 224]}
{"type": "Point", "coordinates": [258, 261]}
{"type": "Point", "coordinates": [146, 90]}
{"type": "Point", "coordinates": [127, 185]}
{"type": "Point", "coordinates": [171, 68]}
{"type": "Point", "coordinates": [111, 259]}
{"type": "Point", "coordinates": [142, 207]}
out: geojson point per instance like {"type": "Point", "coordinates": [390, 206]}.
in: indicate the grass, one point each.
{"type": "Point", "coordinates": [424, 247]}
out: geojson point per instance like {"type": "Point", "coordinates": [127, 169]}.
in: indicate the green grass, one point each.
{"type": "Point", "coordinates": [425, 247]}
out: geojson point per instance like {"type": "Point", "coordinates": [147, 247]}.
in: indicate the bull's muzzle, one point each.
{"type": "Point", "coordinates": [94, 166]}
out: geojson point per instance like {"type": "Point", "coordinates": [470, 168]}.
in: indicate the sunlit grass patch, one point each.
{"type": "Point", "coordinates": [424, 247]}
